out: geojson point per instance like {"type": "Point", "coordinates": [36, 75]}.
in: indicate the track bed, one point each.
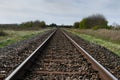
{"type": "Point", "coordinates": [59, 57]}
{"type": "Point", "coordinates": [60, 60]}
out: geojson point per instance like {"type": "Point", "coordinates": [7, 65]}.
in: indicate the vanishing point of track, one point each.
{"type": "Point", "coordinates": [60, 58]}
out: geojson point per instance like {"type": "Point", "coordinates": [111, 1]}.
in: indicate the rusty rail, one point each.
{"type": "Point", "coordinates": [20, 70]}
{"type": "Point", "coordinates": [104, 73]}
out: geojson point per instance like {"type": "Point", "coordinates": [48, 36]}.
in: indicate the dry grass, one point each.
{"type": "Point", "coordinates": [107, 38]}
{"type": "Point", "coordinates": [110, 35]}
{"type": "Point", "coordinates": [15, 36]}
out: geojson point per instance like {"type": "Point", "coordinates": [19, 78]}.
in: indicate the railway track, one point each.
{"type": "Point", "coordinates": [60, 58]}
{"type": "Point", "coordinates": [12, 56]}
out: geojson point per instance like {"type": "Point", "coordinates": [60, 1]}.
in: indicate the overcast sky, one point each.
{"type": "Point", "coordinates": [57, 11]}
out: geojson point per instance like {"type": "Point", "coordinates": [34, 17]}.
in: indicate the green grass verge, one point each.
{"type": "Point", "coordinates": [15, 36]}
{"type": "Point", "coordinates": [109, 45]}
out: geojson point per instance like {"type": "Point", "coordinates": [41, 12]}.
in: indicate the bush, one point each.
{"type": "Point", "coordinates": [76, 25]}
{"type": "Point", "coordinates": [32, 24]}
{"type": "Point", "coordinates": [96, 27]}
{"type": "Point", "coordinates": [92, 21]}
{"type": "Point", "coordinates": [83, 24]}
{"type": "Point", "coordinates": [2, 33]}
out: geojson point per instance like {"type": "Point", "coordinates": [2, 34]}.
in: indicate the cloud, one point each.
{"type": "Point", "coordinates": [57, 11]}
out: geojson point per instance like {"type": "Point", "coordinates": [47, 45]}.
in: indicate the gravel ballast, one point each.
{"type": "Point", "coordinates": [107, 58]}
{"type": "Point", "coordinates": [12, 55]}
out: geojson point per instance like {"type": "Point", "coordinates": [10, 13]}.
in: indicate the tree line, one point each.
{"type": "Point", "coordinates": [94, 21]}
{"type": "Point", "coordinates": [25, 25]}
{"type": "Point", "coordinates": [37, 23]}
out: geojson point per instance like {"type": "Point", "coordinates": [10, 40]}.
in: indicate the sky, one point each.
{"type": "Point", "coordinates": [57, 11]}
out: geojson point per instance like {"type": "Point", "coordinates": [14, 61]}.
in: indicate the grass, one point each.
{"type": "Point", "coordinates": [99, 39]}
{"type": "Point", "coordinates": [109, 35]}
{"type": "Point", "coordinates": [15, 36]}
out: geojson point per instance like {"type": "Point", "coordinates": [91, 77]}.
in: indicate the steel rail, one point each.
{"type": "Point", "coordinates": [20, 70]}
{"type": "Point", "coordinates": [104, 73]}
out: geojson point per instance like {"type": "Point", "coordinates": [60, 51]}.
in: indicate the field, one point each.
{"type": "Point", "coordinates": [15, 36]}
{"type": "Point", "coordinates": [107, 38]}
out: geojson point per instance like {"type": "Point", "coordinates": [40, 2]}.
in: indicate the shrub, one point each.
{"type": "Point", "coordinates": [96, 27]}
{"type": "Point", "coordinates": [92, 21]}
{"type": "Point", "coordinates": [32, 24]}
{"type": "Point", "coordinates": [2, 33]}
{"type": "Point", "coordinates": [83, 24]}
{"type": "Point", "coordinates": [76, 25]}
